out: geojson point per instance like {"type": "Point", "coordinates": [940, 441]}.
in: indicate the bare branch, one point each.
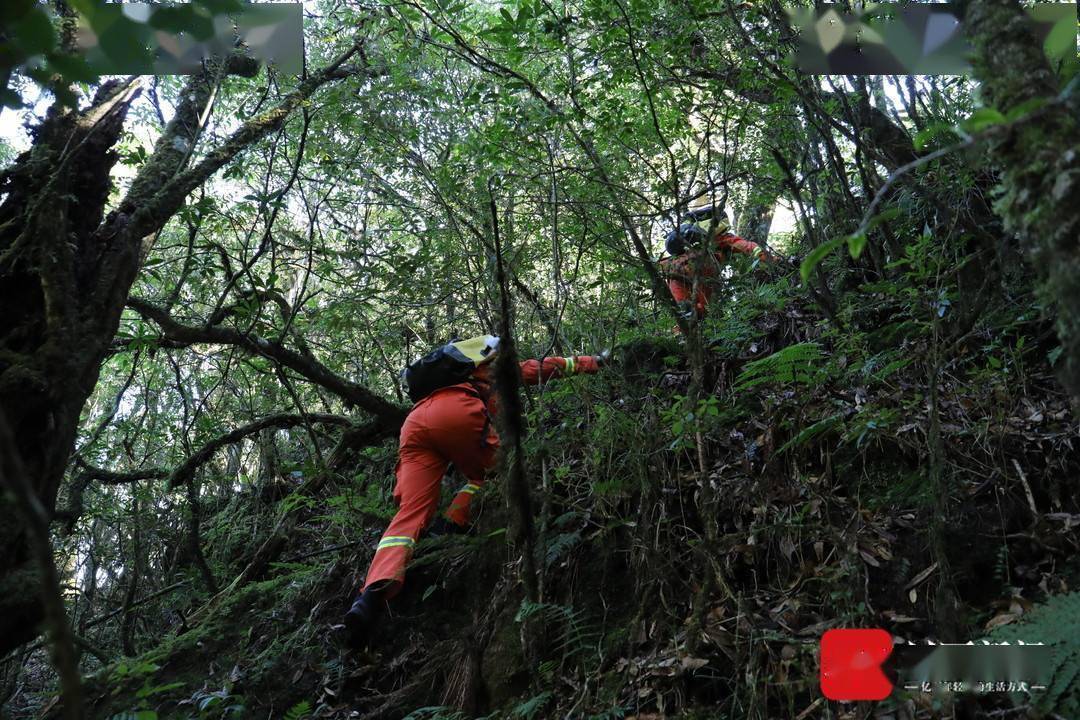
{"type": "Point", "coordinates": [388, 413]}
{"type": "Point", "coordinates": [186, 469]}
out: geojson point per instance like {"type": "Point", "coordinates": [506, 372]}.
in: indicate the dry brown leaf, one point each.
{"type": "Point", "coordinates": [693, 663]}
{"type": "Point", "coordinates": [897, 618]}
{"type": "Point", "coordinates": [920, 577]}
{"type": "Point", "coordinates": [999, 620]}
{"type": "Point", "coordinates": [1020, 605]}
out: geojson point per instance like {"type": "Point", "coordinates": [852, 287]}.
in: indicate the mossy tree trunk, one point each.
{"type": "Point", "coordinates": [66, 268]}
{"type": "Point", "coordinates": [1039, 160]}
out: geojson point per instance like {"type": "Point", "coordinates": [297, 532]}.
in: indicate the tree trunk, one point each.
{"type": "Point", "coordinates": [57, 297]}
{"type": "Point", "coordinates": [65, 273]}
{"type": "Point", "coordinates": [1040, 162]}
{"type": "Point", "coordinates": [269, 459]}
{"type": "Point", "coordinates": [755, 221]}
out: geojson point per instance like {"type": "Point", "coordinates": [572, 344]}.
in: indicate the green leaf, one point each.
{"type": "Point", "coordinates": [410, 13]}
{"type": "Point", "coordinates": [923, 137]}
{"type": "Point", "coordinates": [73, 68]}
{"type": "Point", "coordinates": [202, 27]}
{"type": "Point", "coordinates": [125, 46]}
{"type": "Point", "coordinates": [11, 10]}
{"type": "Point", "coordinates": [298, 711]}
{"type": "Point", "coordinates": [1053, 355]}
{"type": "Point", "coordinates": [817, 255]}
{"type": "Point", "coordinates": [856, 243]}
{"type": "Point", "coordinates": [34, 32]}
{"type": "Point", "coordinates": [99, 16]}
{"type": "Point", "coordinates": [209, 701]}
{"type": "Point", "coordinates": [1025, 108]}
{"type": "Point", "coordinates": [174, 18]}
{"type": "Point", "coordinates": [982, 119]}
{"type": "Point", "coordinates": [812, 431]}
{"type": "Point", "coordinates": [1062, 38]}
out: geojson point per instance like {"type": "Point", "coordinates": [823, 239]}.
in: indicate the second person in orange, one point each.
{"type": "Point", "coordinates": [696, 260]}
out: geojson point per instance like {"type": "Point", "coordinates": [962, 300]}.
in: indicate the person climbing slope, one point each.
{"type": "Point", "coordinates": [450, 422]}
{"type": "Point", "coordinates": [691, 257]}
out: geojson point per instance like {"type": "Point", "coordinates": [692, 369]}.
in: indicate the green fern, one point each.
{"type": "Point", "coordinates": [812, 431]}
{"type": "Point", "coordinates": [559, 545]}
{"type": "Point", "coordinates": [1057, 624]}
{"type": "Point", "coordinates": [298, 711]}
{"type": "Point", "coordinates": [528, 709]}
{"type": "Point", "coordinates": [799, 363]}
{"type": "Point", "coordinates": [571, 635]}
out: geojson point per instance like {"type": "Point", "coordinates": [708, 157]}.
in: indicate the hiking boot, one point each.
{"type": "Point", "coordinates": [361, 618]}
{"type": "Point", "coordinates": [442, 525]}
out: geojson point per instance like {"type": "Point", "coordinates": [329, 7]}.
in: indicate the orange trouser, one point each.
{"type": "Point", "coordinates": [681, 291]}
{"type": "Point", "coordinates": [449, 426]}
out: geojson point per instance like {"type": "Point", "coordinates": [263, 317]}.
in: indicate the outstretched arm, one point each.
{"type": "Point", "coordinates": [537, 371]}
{"type": "Point", "coordinates": [734, 243]}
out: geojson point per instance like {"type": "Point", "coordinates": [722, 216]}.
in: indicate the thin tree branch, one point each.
{"type": "Point", "coordinates": [187, 469]}
{"type": "Point", "coordinates": [390, 414]}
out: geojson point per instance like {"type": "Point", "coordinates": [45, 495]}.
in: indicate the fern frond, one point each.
{"type": "Point", "coordinates": [812, 431]}
{"type": "Point", "coordinates": [559, 546]}
{"type": "Point", "coordinates": [298, 711]}
{"type": "Point", "coordinates": [799, 363]}
{"type": "Point", "coordinates": [1057, 624]}
{"type": "Point", "coordinates": [528, 709]}
{"type": "Point", "coordinates": [571, 635]}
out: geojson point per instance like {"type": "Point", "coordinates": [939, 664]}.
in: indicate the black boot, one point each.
{"type": "Point", "coordinates": [441, 525]}
{"type": "Point", "coordinates": [361, 618]}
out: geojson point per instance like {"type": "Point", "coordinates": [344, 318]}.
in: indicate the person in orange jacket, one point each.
{"type": "Point", "coordinates": [691, 257]}
{"type": "Point", "coordinates": [450, 425]}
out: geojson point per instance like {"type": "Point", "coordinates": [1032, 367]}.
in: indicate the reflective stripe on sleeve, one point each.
{"type": "Point", "coordinates": [469, 489]}
{"type": "Point", "coordinates": [570, 365]}
{"type": "Point", "coordinates": [396, 541]}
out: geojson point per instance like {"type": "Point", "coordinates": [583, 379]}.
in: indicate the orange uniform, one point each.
{"type": "Point", "coordinates": [451, 425]}
{"type": "Point", "coordinates": [681, 269]}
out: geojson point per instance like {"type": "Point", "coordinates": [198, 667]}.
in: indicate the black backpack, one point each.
{"type": "Point", "coordinates": [448, 365]}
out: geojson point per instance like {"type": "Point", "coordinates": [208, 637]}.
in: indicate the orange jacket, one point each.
{"type": "Point", "coordinates": [681, 269]}
{"type": "Point", "coordinates": [683, 266]}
